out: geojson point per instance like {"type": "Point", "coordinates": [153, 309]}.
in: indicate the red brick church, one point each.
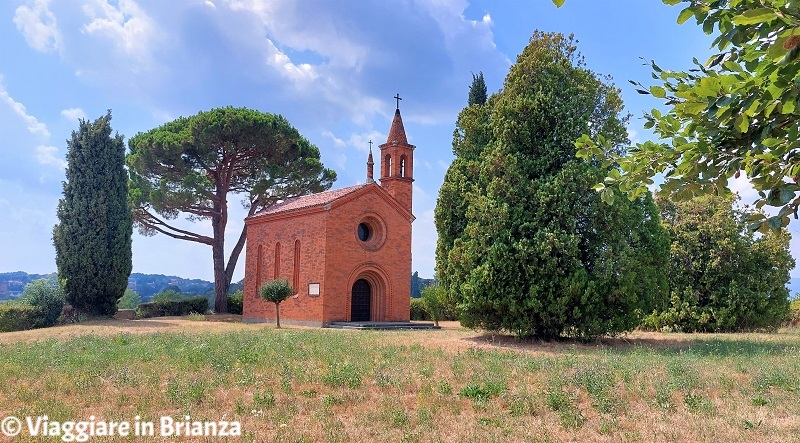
{"type": "Point", "coordinates": [346, 252]}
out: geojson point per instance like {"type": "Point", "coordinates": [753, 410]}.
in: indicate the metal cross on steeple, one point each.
{"type": "Point", "coordinates": [397, 97]}
{"type": "Point", "coordinates": [370, 146]}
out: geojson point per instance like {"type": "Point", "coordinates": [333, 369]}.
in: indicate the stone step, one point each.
{"type": "Point", "coordinates": [380, 325]}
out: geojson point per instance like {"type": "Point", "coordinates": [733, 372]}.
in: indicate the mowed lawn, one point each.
{"type": "Point", "coordinates": [451, 385]}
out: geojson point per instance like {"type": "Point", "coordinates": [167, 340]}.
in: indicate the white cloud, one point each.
{"type": "Point", "coordinates": [747, 193]}
{"type": "Point", "coordinates": [633, 136]}
{"type": "Point", "coordinates": [303, 72]}
{"type": "Point", "coordinates": [339, 143]}
{"type": "Point", "coordinates": [33, 125]}
{"type": "Point", "coordinates": [38, 25]}
{"type": "Point", "coordinates": [73, 114]}
{"type": "Point", "coordinates": [305, 30]}
{"type": "Point", "coordinates": [449, 15]}
{"type": "Point", "coordinates": [46, 155]}
{"type": "Point", "coordinates": [361, 141]}
{"type": "Point", "coordinates": [126, 24]}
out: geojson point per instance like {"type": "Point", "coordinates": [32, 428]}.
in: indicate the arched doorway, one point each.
{"type": "Point", "coordinates": [360, 306]}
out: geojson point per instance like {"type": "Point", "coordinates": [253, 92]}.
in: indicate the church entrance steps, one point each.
{"type": "Point", "coordinates": [380, 325]}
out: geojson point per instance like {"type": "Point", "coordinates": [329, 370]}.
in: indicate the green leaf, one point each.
{"type": "Point", "coordinates": [658, 92]}
{"type": "Point", "coordinates": [775, 223]}
{"type": "Point", "coordinates": [742, 123]}
{"type": "Point", "coordinates": [607, 196]}
{"type": "Point", "coordinates": [693, 107]}
{"type": "Point", "coordinates": [786, 195]}
{"type": "Point", "coordinates": [788, 107]}
{"type": "Point", "coordinates": [558, 3]}
{"type": "Point", "coordinates": [685, 14]}
{"type": "Point", "coordinates": [755, 16]}
{"type": "Point", "coordinates": [776, 50]}
{"type": "Point", "coordinates": [671, 2]}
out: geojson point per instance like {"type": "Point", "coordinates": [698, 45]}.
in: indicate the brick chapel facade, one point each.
{"type": "Point", "coordinates": [346, 252]}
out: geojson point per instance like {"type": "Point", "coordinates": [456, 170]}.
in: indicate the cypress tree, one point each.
{"type": "Point", "coordinates": [93, 236]}
{"type": "Point", "coordinates": [477, 91]}
{"type": "Point", "coordinates": [528, 245]}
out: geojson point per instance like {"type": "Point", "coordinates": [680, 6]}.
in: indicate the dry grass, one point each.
{"type": "Point", "coordinates": [451, 385]}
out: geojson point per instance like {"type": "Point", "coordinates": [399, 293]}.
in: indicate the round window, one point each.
{"type": "Point", "coordinates": [364, 232]}
{"type": "Point", "coordinates": [370, 232]}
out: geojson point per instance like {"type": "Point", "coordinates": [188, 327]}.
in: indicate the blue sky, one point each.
{"type": "Point", "coordinates": [330, 67]}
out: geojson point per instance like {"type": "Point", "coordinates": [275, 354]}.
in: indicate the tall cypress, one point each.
{"type": "Point", "coordinates": [93, 236]}
{"type": "Point", "coordinates": [525, 243]}
{"type": "Point", "coordinates": [477, 91]}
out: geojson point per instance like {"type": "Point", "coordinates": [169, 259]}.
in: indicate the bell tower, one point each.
{"type": "Point", "coordinates": [397, 161]}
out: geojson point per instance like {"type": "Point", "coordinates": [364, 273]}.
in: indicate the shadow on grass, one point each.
{"type": "Point", "coordinates": [708, 345]}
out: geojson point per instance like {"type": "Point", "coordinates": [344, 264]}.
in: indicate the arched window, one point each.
{"type": "Point", "coordinates": [296, 276]}
{"type": "Point", "coordinates": [259, 257]}
{"type": "Point", "coordinates": [388, 166]}
{"type": "Point", "coordinates": [277, 260]}
{"type": "Point", "coordinates": [403, 166]}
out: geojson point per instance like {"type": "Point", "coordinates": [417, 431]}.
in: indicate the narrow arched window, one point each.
{"type": "Point", "coordinates": [388, 166]}
{"type": "Point", "coordinates": [403, 166]}
{"type": "Point", "coordinates": [277, 260]}
{"type": "Point", "coordinates": [259, 257]}
{"type": "Point", "coordinates": [296, 276]}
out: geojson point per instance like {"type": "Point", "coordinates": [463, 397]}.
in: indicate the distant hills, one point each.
{"type": "Point", "coordinates": [146, 285]}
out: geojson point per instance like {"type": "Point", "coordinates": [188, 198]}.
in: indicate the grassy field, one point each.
{"type": "Point", "coordinates": [452, 385]}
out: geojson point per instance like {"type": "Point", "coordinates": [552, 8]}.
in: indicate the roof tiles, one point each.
{"type": "Point", "coordinates": [308, 201]}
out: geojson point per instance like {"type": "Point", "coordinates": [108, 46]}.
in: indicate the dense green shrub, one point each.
{"type": "Point", "coordinates": [418, 311]}
{"type": "Point", "coordinates": [722, 277]}
{"type": "Point", "coordinates": [172, 307]}
{"type": "Point", "coordinates": [434, 297]}
{"type": "Point", "coordinates": [18, 317]}
{"type": "Point", "coordinates": [235, 301]}
{"type": "Point", "coordinates": [48, 296]}
{"type": "Point", "coordinates": [794, 313]}
{"type": "Point", "coordinates": [168, 295]}
{"type": "Point", "coordinates": [130, 300]}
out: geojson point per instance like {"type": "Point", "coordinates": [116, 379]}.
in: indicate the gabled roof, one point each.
{"type": "Point", "coordinates": [308, 201]}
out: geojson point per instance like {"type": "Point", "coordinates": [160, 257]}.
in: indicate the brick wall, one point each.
{"type": "Point", "coordinates": [332, 255]}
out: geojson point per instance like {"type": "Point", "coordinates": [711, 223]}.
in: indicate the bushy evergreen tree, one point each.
{"type": "Point", "coordinates": [477, 91]}
{"type": "Point", "coordinates": [524, 242]}
{"type": "Point", "coordinates": [721, 277]}
{"type": "Point", "coordinates": [93, 236]}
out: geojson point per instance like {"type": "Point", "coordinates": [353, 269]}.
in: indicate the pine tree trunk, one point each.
{"type": "Point", "coordinates": [221, 281]}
